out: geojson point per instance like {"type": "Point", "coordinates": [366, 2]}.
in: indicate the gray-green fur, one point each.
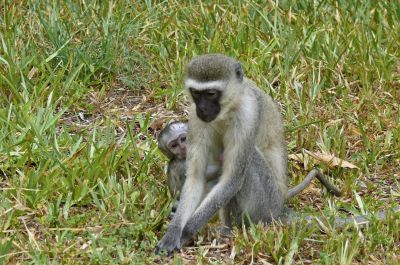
{"type": "Point", "coordinates": [212, 67]}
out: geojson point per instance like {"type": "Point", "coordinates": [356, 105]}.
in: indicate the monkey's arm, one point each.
{"type": "Point", "coordinates": [229, 184]}
{"type": "Point", "coordinates": [314, 173]}
{"type": "Point", "coordinates": [192, 191]}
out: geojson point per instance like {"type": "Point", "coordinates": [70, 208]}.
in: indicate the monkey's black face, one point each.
{"type": "Point", "coordinates": [207, 103]}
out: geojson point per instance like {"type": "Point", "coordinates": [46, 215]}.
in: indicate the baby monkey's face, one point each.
{"type": "Point", "coordinates": [177, 146]}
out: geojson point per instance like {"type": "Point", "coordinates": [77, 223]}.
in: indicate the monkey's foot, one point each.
{"type": "Point", "coordinates": [171, 215]}
{"type": "Point", "coordinates": [169, 243]}
{"type": "Point", "coordinates": [223, 231]}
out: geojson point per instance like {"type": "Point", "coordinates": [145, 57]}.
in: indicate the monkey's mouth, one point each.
{"type": "Point", "coordinates": [207, 115]}
{"type": "Point", "coordinates": [207, 118]}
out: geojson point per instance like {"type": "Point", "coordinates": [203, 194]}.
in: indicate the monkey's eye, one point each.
{"type": "Point", "coordinates": [211, 92]}
{"type": "Point", "coordinates": [174, 145]}
{"type": "Point", "coordinates": [194, 92]}
{"type": "Point", "coordinates": [183, 139]}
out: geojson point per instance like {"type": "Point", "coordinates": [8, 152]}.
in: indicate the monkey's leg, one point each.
{"type": "Point", "coordinates": [225, 217]}
{"type": "Point", "coordinates": [247, 189]}
{"type": "Point", "coordinates": [260, 198]}
{"type": "Point", "coordinates": [174, 207]}
{"type": "Point", "coordinates": [228, 215]}
{"type": "Point", "coordinates": [216, 199]}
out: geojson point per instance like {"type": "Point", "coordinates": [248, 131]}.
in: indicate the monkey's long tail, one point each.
{"type": "Point", "coordinates": [290, 217]}
{"type": "Point", "coordinates": [314, 173]}
{"type": "Point", "coordinates": [363, 219]}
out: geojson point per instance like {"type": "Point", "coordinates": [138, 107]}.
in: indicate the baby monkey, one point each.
{"type": "Point", "coordinates": [172, 142]}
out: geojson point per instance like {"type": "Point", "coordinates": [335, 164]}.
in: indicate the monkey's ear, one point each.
{"type": "Point", "coordinates": [239, 72]}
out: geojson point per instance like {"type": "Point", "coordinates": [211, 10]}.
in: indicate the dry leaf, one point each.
{"type": "Point", "coordinates": [86, 245]}
{"type": "Point", "coordinates": [297, 157]}
{"type": "Point", "coordinates": [354, 130]}
{"type": "Point", "coordinates": [300, 158]}
{"type": "Point", "coordinates": [333, 122]}
{"type": "Point", "coordinates": [157, 124]}
{"type": "Point", "coordinates": [328, 159]}
{"type": "Point", "coordinates": [32, 73]}
{"type": "Point", "coordinates": [331, 160]}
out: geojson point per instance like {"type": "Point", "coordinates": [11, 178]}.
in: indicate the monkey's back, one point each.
{"type": "Point", "coordinates": [176, 173]}
{"type": "Point", "coordinates": [270, 136]}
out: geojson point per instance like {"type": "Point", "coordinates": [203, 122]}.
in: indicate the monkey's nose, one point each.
{"type": "Point", "coordinates": [201, 112]}
{"type": "Point", "coordinates": [183, 147]}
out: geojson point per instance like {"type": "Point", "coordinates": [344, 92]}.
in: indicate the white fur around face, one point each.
{"type": "Point", "coordinates": [203, 85]}
{"type": "Point", "coordinates": [248, 110]}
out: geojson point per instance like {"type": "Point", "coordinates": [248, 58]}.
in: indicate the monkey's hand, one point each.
{"type": "Point", "coordinates": [170, 241]}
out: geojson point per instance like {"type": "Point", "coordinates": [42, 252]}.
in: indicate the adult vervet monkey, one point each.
{"type": "Point", "coordinates": [229, 114]}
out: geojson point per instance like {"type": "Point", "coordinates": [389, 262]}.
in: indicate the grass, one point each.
{"type": "Point", "coordinates": [86, 85]}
